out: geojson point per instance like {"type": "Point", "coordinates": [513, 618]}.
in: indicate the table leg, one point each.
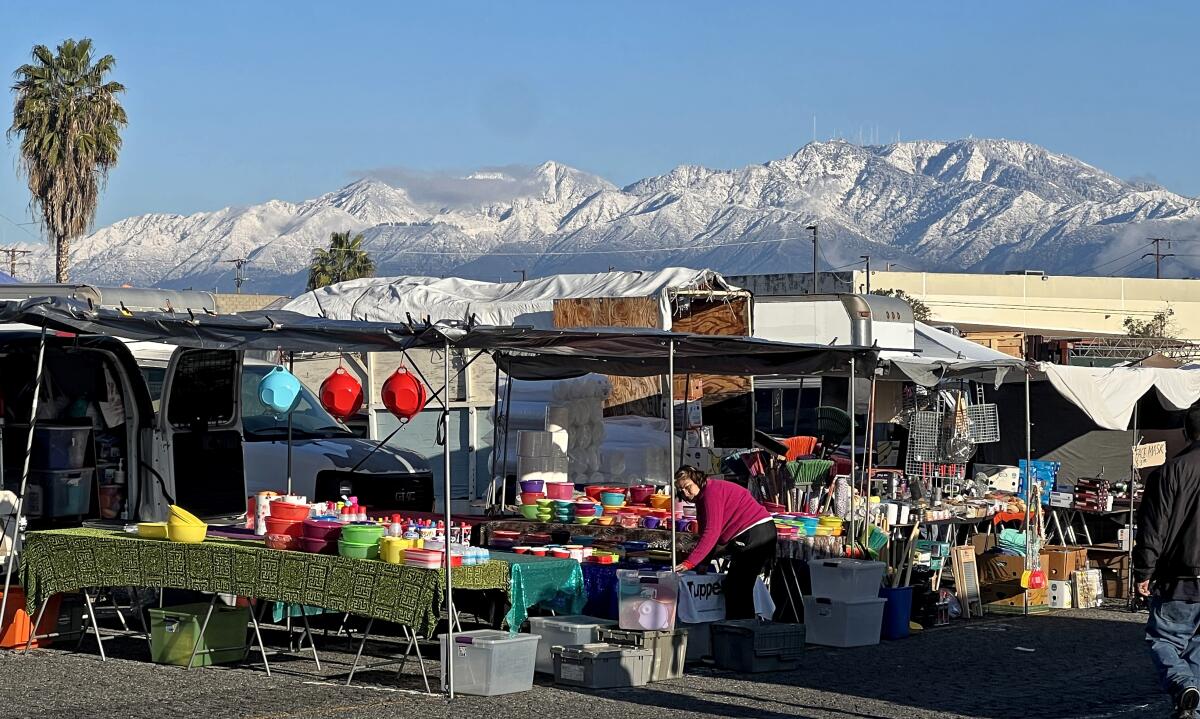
{"type": "Point", "coordinates": [312, 641]}
{"type": "Point", "coordinates": [36, 623]}
{"type": "Point", "coordinates": [135, 597]}
{"type": "Point", "coordinates": [203, 628]}
{"type": "Point", "coordinates": [358, 656]}
{"type": "Point", "coordinates": [412, 646]}
{"type": "Point", "coordinates": [91, 611]}
{"type": "Point", "coordinates": [262, 649]}
{"type": "Point", "coordinates": [1087, 533]}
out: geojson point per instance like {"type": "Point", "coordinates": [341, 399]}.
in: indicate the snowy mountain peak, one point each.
{"type": "Point", "coordinates": [975, 204]}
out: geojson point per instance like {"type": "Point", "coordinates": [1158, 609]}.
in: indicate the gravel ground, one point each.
{"type": "Point", "coordinates": [1084, 663]}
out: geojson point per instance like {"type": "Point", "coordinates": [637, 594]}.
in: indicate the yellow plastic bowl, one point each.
{"type": "Point", "coordinates": [179, 515]}
{"type": "Point", "coordinates": [152, 530]}
{"type": "Point", "coordinates": [186, 533]}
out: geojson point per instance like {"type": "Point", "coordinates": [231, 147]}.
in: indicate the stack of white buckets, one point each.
{"type": "Point", "coordinates": [542, 455]}
{"type": "Point", "coordinates": [845, 609]}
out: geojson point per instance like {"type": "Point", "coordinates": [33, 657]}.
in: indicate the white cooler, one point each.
{"type": "Point", "coordinates": [837, 623]}
{"type": "Point", "coordinates": [563, 632]}
{"type": "Point", "coordinates": [846, 579]}
{"type": "Point", "coordinates": [488, 662]}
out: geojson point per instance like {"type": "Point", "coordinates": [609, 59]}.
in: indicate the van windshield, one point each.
{"type": "Point", "coordinates": [260, 423]}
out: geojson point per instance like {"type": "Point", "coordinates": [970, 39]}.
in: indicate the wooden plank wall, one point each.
{"type": "Point", "coordinates": [717, 318]}
{"type": "Point", "coordinates": [630, 395]}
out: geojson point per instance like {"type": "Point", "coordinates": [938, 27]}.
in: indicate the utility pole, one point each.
{"type": "Point", "coordinates": [1158, 255]}
{"type": "Point", "coordinates": [814, 231]}
{"type": "Point", "coordinates": [522, 273]}
{"type": "Point", "coordinates": [13, 253]}
{"type": "Point", "coordinates": [867, 259]}
{"type": "Point", "coordinates": [238, 278]}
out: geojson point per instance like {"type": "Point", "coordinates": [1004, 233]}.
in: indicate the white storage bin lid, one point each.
{"type": "Point", "coordinates": [849, 565]}
{"type": "Point", "coordinates": [568, 623]}
{"type": "Point", "coordinates": [848, 602]}
{"type": "Point", "coordinates": [487, 637]}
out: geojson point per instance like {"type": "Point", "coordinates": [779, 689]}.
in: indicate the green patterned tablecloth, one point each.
{"type": "Point", "coordinates": [66, 560]}
{"type": "Point", "coordinates": [554, 584]}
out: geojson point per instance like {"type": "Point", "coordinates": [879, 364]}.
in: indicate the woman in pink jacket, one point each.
{"type": "Point", "coordinates": [732, 524]}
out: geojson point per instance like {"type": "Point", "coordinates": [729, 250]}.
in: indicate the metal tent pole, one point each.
{"type": "Point", "coordinates": [1028, 483]}
{"type": "Point", "coordinates": [1133, 477]}
{"type": "Point", "coordinates": [850, 402]}
{"type": "Point", "coordinates": [446, 508]}
{"type": "Point", "coordinates": [671, 439]}
{"type": "Point", "coordinates": [292, 369]}
{"type": "Point", "coordinates": [12, 555]}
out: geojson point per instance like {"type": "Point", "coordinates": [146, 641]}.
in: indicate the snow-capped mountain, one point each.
{"type": "Point", "coordinates": [979, 205]}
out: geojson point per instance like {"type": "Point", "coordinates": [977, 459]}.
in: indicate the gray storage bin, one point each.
{"type": "Point", "coordinates": [750, 645]}
{"type": "Point", "coordinates": [669, 648]}
{"type": "Point", "coordinates": [65, 493]}
{"type": "Point", "coordinates": [602, 666]}
{"type": "Point", "coordinates": [699, 640]}
{"type": "Point", "coordinates": [563, 632]}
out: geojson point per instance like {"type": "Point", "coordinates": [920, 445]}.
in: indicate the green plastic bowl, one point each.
{"type": "Point", "coordinates": [362, 533]}
{"type": "Point", "coordinates": [353, 550]}
{"type": "Point", "coordinates": [530, 511]}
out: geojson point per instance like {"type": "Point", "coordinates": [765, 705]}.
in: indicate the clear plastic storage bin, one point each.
{"type": "Point", "coordinates": [563, 632]}
{"type": "Point", "coordinates": [846, 579]}
{"type": "Point", "coordinates": [488, 662]}
{"type": "Point", "coordinates": [647, 599]}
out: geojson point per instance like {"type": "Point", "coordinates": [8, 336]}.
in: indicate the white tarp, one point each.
{"type": "Point", "coordinates": [530, 303]}
{"type": "Point", "coordinates": [1108, 394]}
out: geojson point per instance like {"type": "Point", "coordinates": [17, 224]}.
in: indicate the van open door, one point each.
{"type": "Point", "coordinates": [199, 432]}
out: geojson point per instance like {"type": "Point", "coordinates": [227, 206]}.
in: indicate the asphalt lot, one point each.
{"type": "Point", "coordinates": [1081, 663]}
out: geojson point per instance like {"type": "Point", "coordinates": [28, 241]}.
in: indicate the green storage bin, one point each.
{"type": "Point", "coordinates": [173, 631]}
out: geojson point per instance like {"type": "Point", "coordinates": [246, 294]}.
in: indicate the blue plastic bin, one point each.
{"type": "Point", "coordinates": [897, 612]}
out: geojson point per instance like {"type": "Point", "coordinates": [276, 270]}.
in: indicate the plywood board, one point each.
{"type": "Point", "coordinates": [723, 317]}
{"type": "Point", "coordinates": [630, 395]}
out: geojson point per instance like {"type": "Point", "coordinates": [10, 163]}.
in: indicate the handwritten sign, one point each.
{"type": "Point", "coordinates": [1153, 454]}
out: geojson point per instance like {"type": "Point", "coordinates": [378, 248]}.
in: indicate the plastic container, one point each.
{"type": "Point", "coordinates": [750, 646]}
{"type": "Point", "coordinates": [533, 485]}
{"type": "Point", "coordinates": [286, 510]}
{"type": "Point", "coordinates": [560, 490]}
{"type": "Point", "coordinates": [173, 631]}
{"type": "Point", "coordinates": [361, 533]}
{"type": "Point", "coordinates": [186, 533]}
{"type": "Point", "coordinates": [488, 662]}
{"type": "Point", "coordinates": [641, 493]}
{"type": "Point", "coordinates": [845, 579]}
{"type": "Point", "coordinates": [312, 545]}
{"type": "Point", "coordinates": [601, 666]}
{"type": "Point", "coordinates": [152, 530]}
{"type": "Point", "coordinates": [647, 599]}
{"type": "Point", "coordinates": [699, 640]}
{"type": "Point", "coordinates": [56, 447]}
{"type": "Point", "coordinates": [322, 529]}
{"type": "Point", "coordinates": [563, 631]}
{"type": "Point", "coordinates": [660, 501]}
{"type": "Point", "coordinates": [65, 493]}
{"type": "Point", "coordinates": [353, 550]}
{"type": "Point", "coordinates": [612, 499]}
{"type": "Point", "coordinates": [897, 612]}
{"type": "Point", "coordinates": [529, 511]}
{"type": "Point", "coordinates": [834, 623]}
{"type": "Point", "coordinates": [290, 527]}
{"type": "Point", "coordinates": [281, 541]}
{"type": "Point", "coordinates": [669, 648]}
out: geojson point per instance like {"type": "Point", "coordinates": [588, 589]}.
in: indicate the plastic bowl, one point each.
{"type": "Point", "coordinates": [529, 511]}
{"type": "Point", "coordinates": [323, 529]}
{"type": "Point", "coordinates": [560, 490]}
{"type": "Point", "coordinates": [361, 533]}
{"type": "Point", "coordinates": [286, 510]}
{"type": "Point", "coordinates": [179, 515]}
{"type": "Point", "coordinates": [605, 520]}
{"type": "Point", "coordinates": [186, 533]}
{"type": "Point", "coordinates": [612, 499]}
{"type": "Point", "coordinates": [639, 494]}
{"type": "Point", "coordinates": [560, 553]}
{"type": "Point", "coordinates": [584, 520]}
{"type": "Point", "coordinates": [545, 503]}
{"type": "Point", "coordinates": [585, 509]}
{"type": "Point", "coordinates": [537, 551]}
{"type": "Point", "coordinates": [650, 522]}
{"type": "Point", "coordinates": [152, 530]}
{"type": "Point", "coordinates": [613, 510]}
{"type": "Point", "coordinates": [280, 541]}
{"type": "Point", "coordinates": [533, 485]}
{"type": "Point", "coordinates": [532, 497]}
{"type": "Point", "coordinates": [317, 546]}
{"type": "Point", "coordinates": [660, 501]}
{"type": "Point", "coordinates": [521, 550]}
{"type": "Point", "coordinates": [290, 527]}
{"type": "Point", "coordinates": [354, 550]}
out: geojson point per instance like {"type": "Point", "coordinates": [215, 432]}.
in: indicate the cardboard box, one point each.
{"type": "Point", "coordinates": [983, 542]}
{"type": "Point", "coordinates": [1062, 499]}
{"type": "Point", "coordinates": [999, 568]}
{"type": "Point", "coordinates": [1010, 598]}
{"type": "Point", "coordinates": [1114, 572]}
{"type": "Point", "coordinates": [1061, 562]}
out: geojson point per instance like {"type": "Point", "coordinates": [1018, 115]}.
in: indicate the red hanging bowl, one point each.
{"type": "Point", "coordinates": [341, 394]}
{"type": "Point", "coordinates": [403, 394]}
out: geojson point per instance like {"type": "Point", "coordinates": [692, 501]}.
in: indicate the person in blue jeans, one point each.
{"type": "Point", "coordinates": [1166, 565]}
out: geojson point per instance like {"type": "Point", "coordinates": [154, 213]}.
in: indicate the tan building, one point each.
{"type": "Point", "coordinates": [231, 303]}
{"type": "Point", "coordinates": [1045, 304]}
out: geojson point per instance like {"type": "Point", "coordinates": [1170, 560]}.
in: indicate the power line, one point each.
{"type": "Point", "coordinates": [601, 252]}
{"type": "Point", "coordinates": [1135, 250]}
{"type": "Point", "coordinates": [20, 226]}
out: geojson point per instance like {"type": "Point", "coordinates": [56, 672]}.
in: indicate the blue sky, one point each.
{"type": "Point", "coordinates": [235, 103]}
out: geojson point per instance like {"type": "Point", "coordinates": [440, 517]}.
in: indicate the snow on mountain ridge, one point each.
{"type": "Point", "coordinates": [965, 204]}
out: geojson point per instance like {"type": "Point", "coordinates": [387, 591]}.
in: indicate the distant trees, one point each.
{"type": "Point", "coordinates": [68, 119]}
{"type": "Point", "coordinates": [919, 309]}
{"type": "Point", "coordinates": [1160, 326]}
{"type": "Point", "coordinates": [344, 260]}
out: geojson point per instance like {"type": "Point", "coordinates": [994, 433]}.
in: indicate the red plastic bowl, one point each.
{"type": "Point", "coordinates": [322, 529]}
{"type": "Point", "coordinates": [639, 495]}
{"type": "Point", "coordinates": [291, 528]}
{"type": "Point", "coordinates": [532, 497]}
{"type": "Point", "coordinates": [286, 510]}
{"type": "Point", "coordinates": [560, 490]}
{"type": "Point", "coordinates": [280, 541]}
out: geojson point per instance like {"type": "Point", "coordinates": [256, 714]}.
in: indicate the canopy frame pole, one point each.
{"type": "Point", "coordinates": [1028, 484]}
{"type": "Point", "coordinates": [504, 451]}
{"type": "Point", "coordinates": [1133, 480]}
{"type": "Point", "coordinates": [291, 369]}
{"type": "Point", "coordinates": [670, 404]}
{"type": "Point", "coordinates": [33, 411]}
{"type": "Point", "coordinates": [850, 407]}
{"type": "Point", "coordinates": [446, 554]}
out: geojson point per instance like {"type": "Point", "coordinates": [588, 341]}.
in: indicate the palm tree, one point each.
{"type": "Point", "coordinates": [344, 260]}
{"type": "Point", "coordinates": [69, 120]}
